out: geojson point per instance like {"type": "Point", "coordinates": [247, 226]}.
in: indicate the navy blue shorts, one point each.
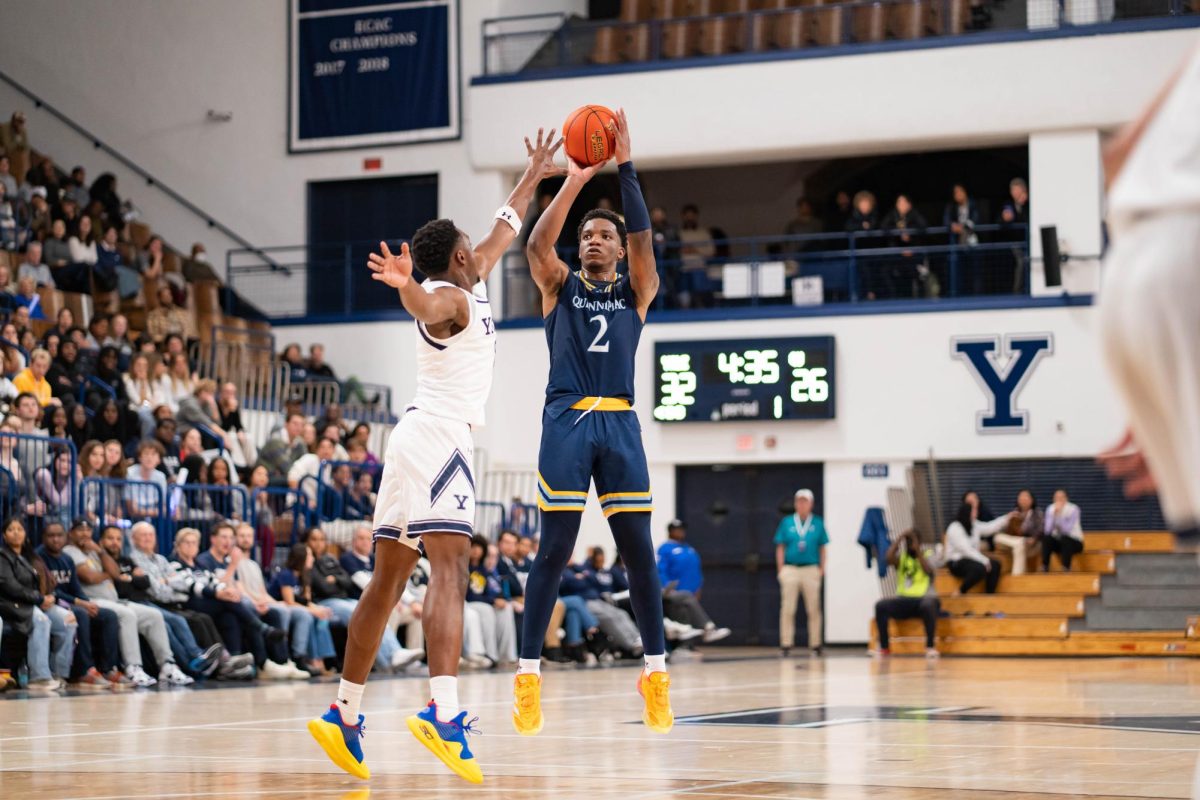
{"type": "Point", "coordinates": [602, 445]}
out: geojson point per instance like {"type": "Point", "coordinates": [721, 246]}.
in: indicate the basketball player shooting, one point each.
{"type": "Point", "coordinates": [594, 318]}
{"type": "Point", "coordinates": [427, 493]}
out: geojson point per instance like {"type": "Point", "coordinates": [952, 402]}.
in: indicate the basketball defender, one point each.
{"type": "Point", "coordinates": [427, 493]}
{"type": "Point", "coordinates": [1149, 316]}
{"type": "Point", "coordinates": [594, 318]}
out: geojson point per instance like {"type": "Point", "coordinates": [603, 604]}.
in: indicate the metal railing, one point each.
{"type": "Point", "coordinates": [852, 268]}
{"type": "Point", "coordinates": [135, 501]}
{"type": "Point", "coordinates": [34, 488]}
{"type": "Point", "coordinates": [539, 43]}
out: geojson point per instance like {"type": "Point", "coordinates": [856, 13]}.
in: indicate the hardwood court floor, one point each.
{"type": "Point", "coordinates": [756, 727]}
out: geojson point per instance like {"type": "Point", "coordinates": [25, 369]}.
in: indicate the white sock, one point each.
{"type": "Point", "coordinates": [529, 666]}
{"type": "Point", "coordinates": [656, 663]}
{"type": "Point", "coordinates": [444, 689]}
{"type": "Point", "coordinates": [349, 698]}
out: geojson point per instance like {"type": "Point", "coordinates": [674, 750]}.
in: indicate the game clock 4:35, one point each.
{"type": "Point", "coordinates": [744, 379]}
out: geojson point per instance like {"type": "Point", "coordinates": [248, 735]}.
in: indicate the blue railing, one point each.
{"type": "Point", "coordinates": [543, 43]}
{"type": "Point", "coordinates": [30, 481]}
{"type": "Point", "coordinates": [135, 501]}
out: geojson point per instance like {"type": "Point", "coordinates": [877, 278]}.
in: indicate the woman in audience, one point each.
{"type": "Point", "coordinates": [264, 511]}
{"type": "Point", "coordinates": [197, 504]}
{"type": "Point", "coordinates": [50, 342]}
{"type": "Point", "coordinates": [309, 630]}
{"type": "Point", "coordinates": [56, 422]}
{"type": "Point", "coordinates": [76, 277]}
{"type": "Point", "coordinates": [242, 449]}
{"type": "Point", "coordinates": [56, 485]}
{"type": "Point", "coordinates": [1023, 531]}
{"type": "Point", "coordinates": [294, 358]}
{"type": "Point", "coordinates": [79, 426]}
{"type": "Point", "coordinates": [13, 361]}
{"type": "Point", "coordinates": [12, 478]}
{"type": "Point", "coordinates": [109, 423]}
{"type": "Point", "coordinates": [118, 337]}
{"type": "Point", "coordinates": [91, 465]}
{"type": "Point", "coordinates": [150, 260]}
{"type": "Point", "coordinates": [27, 339]}
{"type": "Point", "coordinates": [65, 375]}
{"type": "Point", "coordinates": [963, 556]}
{"type": "Point", "coordinates": [225, 503]}
{"type": "Point", "coordinates": [144, 394]}
{"type": "Point", "coordinates": [23, 607]}
{"type": "Point", "coordinates": [362, 435]}
{"type": "Point", "coordinates": [179, 382]}
{"type": "Point", "coordinates": [485, 596]}
{"type": "Point", "coordinates": [1064, 533]}
{"type": "Point", "coordinates": [56, 252]}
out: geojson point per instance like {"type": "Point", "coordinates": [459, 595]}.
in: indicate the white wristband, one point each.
{"type": "Point", "coordinates": [510, 216]}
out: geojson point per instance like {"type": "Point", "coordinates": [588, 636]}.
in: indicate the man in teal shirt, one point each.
{"type": "Point", "coordinates": [800, 542]}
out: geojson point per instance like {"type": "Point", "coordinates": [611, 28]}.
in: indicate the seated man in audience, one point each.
{"type": "Point", "coordinates": [281, 452]}
{"type": "Point", "coordinates": [309, 465]}
{"type": "Point", "coordinates": [144, 501]}
{"type": "Point", "coordinates": [485, 597]}
{"type": "Point", "coordinates": [332, 587]}
{"type": "Point", "coordinates": [164, 434]}
{"type": "Point", "coordinates": [97, 669]}
{"type": "Point", "coordinates": [1064, 533]}
{"type": "Point", "coordinates": [592, 583]}
{"type": "Point", "coordinates": [200, 409]}
{"type": "Point", "coordinates": [679, 567]}
{"type": "Point", "coordinates": [169, 591]}
{"type": "Point", "coordinates": [167, 318]}
{"type": "Point", "coordinates": [317, 367]}
{"type": "Point", "coordinates": [132, 619]}
{"type": "Point", "coordinates": [915, 593]}
{"type": "Point", "coordinates": [32, 379]}
{"type": "Point", "coordinates": [513, 567]}
{"type": "Point", "coordinates": [359, 563]}
{"type": "Point", "coordinates": [31, 266]}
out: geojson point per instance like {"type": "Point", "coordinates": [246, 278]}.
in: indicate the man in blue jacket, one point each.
{"type": "Point", "coordinates": [682, 578]}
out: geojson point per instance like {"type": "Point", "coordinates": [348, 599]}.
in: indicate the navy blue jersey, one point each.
{"type": "Point", "coordinates": [593, 334]}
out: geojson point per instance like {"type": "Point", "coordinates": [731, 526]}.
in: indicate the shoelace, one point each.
{"type": "Point", "coordinates": [468, 727]}
{"type": "Point", "coordinates": [362, 730]}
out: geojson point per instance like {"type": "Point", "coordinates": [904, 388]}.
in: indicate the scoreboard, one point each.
{"type": "Point", "coordinates": [730, 380]}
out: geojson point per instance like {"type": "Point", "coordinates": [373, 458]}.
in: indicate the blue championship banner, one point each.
{"type": "Point", "coordinates": [367, 73]}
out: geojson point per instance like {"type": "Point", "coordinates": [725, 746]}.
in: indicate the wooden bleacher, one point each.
{"type": "Point", "coordinates": [1029, 615]}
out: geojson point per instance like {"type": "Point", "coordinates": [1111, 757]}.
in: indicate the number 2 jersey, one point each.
{"type": "Point", "coordinates": [593, 333]}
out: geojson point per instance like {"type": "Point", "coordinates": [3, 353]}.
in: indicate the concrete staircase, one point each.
{"type": "Point", "coordinates": [1129, 594]}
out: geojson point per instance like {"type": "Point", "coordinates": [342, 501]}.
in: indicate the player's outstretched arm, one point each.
{"type": "Point", "coordinates": [547, 268]}
{"type": "Point", "coordinates": [643, 269]}
{"type": "Point", "coordinates": [504, 228]}
{"type": "Point", "coordinates": [434, 308]}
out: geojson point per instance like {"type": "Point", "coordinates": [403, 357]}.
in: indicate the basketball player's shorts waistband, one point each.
{"type": "Point", "coordinates": [602, 404]}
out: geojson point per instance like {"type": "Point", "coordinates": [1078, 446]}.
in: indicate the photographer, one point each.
{"type": "Point", "coordinates": [915, 595]}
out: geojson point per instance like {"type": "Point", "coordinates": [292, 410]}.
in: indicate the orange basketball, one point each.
{"type": "Point", "coordinates": [591, 135]}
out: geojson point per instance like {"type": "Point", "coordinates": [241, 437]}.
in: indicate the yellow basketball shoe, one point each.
{"type": "Point", "coordinates": [527, 704]}
{"type": "Point", "coordinates": [655, 689]}
{"type": "Point", "coordinates": [447, 741]}
{"type": "Point", "coordinates": [340, 741]}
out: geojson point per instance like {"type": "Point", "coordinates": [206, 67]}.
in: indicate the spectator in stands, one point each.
{"type": "Point", "coordinates": [582, 581]}
{"type": "Point", "coordinates": [1016, 212]}
{"type": "Point", "coordinates": [31, 266]}
{"type": "Point", "coordinates": [485, 596]}
{"type": "Point", "coordinates": [9, 238]}
{"type": "Point", "coordinates": [679, 567]}
{"type": "Point", "coordinates": [164, 434]}
{"type": "Point", "coordinates": [20, 318]}
{"type": "Point", "coordinates": [55, 420]}
{"type": "Point", "coordinates": [69, 212]}
{"type": "Point", "coordinates": [28, 298]}
{"type": "Point", "coordinates": [666, 239]}
{"type": "Point", "coordinates": [1023, 531]}
{"type": "Point", "coordinates": [32, 379]}
{"type": "Point", "coordinates": [238, 441]}
{"type": "Point", "coordinates": [91, 497]}
{"type": "Point", "coordinates": [76, 276]}
{"type": "Point", "coordinates": [317, 367]}
{"type": "Point", "coordinates": [132, 618]}
{"type": "Point", "coordinates": [309, 465]}
{"type": "Point", "coordinates": [805, 223]}
{"type": "Point", "coordinates": [358, 560]}
{"type": "Point", "coordinates": [307, 623]}
{"type": "Point", "coordinates": [7, 180]}
{"type": "Point", "coordinates": [961, 216]}
{"type": "Point", "coordinates": [310, 436]}
{"type": "Point", "coordinates": [36, 219]}
{"type": "Point", "coordinates": [24, 609]}
{"type": "Point", "coordinates": [118, 337]}
{"type": "Point", "coordinates": [99, 668]}
{"type": "Point", "coordinates": [696, 247]}
{"type": "Point", "coordinates": [110, 423]}
{"type": "Point", "coordinates": [279, 454]}
{"type": "Point", "coordinates": [104, 193]}
{"type": "Point", "coordinates": [6, 284]}
{"type": "Point", "coordinates": [65, 375]}
{"type": "Point", "coordinates": [114, 459]}
{"type": "Point", "coordinates": [178, 383]}
{"type": "Point", "coordinates": [56, 250]}
{"type": "Point", "coordinates": [111, 272]}
{"type": "Point", "coordinates": [56, 484]}
{"type": "Point", "coordinates": [1064, 532]}
{"type": "Point", "coordinates": [76, 188]}
{"type": "Point", "coordinates": [150, 260]}
{"type": "Point", "coordinates": [962, 554]}
{"type": "Point", "coordinates": [904, 275]}
{"type": "Point", "coordinates": [864, 218]}
{"type": "Point", "coordinates": [264, 510]}
{"type": "Point", "coordinates": [141, 501]}
{"type": "Point", "coordinates": [45, 176]}
{"type": "Point", "coordinates": [79, 425]}
{"type": "Point", "coordinates": [292, 357]}
{"type": "Point", "coordinates": [915, 592]}
{"type": "Point", "coordinates": [800, 546]}
{"type": "Point", "coordinates": [167, 318]}
{"type": "Point", "coordinates": [362, 435]}
{"type": "Point", "coordinates": [200, 410]}
{"type": "Point", "coordinates": [14, 142]}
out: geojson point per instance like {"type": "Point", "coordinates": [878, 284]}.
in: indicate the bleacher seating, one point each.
{"type": "Point", "coordinates": [1059, 613]}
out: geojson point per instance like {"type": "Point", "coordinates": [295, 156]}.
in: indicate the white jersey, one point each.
{"type": "Point", "coordinates": [454, 375]}
{"type": "Point", "coordinates": [1162, 173]}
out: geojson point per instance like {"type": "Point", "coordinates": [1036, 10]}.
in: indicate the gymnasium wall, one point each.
{"type": "Point", "coordinates": [900, 394]}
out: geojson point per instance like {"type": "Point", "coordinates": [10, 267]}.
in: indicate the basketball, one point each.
{"type": "Point", "coordinates": [590, 134]}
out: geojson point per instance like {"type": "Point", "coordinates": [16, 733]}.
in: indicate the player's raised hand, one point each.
{"type": "Point", "coordinates": [577, 170]}
{"type": "Point", "coordinates": [621, 134]}
{"type": "Point", "coordinates": [541, 155]}
{"type": "Point", "coordinates": [394, 270]}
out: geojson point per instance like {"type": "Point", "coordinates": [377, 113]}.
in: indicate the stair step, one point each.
{"type": "Point", "coordinates": [1158, 576]}
{"type": "Point", "coordinates": [1032, 583]}
{"type": "Point", "coordinates": [1101, 618]}
{"type": "Point", "coordinates": [1124, 643]}
{"type": "Point", "coordinates": [1118, 596]}
{"type": "Point", "coordinates": [1163, 560]}
{"type": "Point", "coordinates": [1026, 605]}
{"type": "Point", "coordinates": [983, 628]}
{"type": "Point", "coordinates": [1129, 541]}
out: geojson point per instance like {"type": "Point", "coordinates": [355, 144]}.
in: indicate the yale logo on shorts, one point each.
{"type": "Point", "coordinates": [1002, 371]}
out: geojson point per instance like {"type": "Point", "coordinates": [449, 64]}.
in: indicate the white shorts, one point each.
{"type": "Point", "coordinates": [427, 484]}
{"type": "Point", "coordinates": [1150, 321]}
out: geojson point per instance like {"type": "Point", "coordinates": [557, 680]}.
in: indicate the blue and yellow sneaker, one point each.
{"type": "Point", "coordinates": [340, 741]}
{"type": "Point", "coordinates": [447, 741]}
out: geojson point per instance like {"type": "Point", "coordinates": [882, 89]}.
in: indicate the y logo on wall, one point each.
{"type": "Point", "coordinates": [1001, 369]}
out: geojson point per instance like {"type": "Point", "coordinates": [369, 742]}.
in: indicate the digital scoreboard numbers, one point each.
{"type": "Point", "coordinates": [744, 379]}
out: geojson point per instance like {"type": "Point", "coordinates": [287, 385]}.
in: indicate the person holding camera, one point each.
{"type": "Point", "coordinates": [915, 593]}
